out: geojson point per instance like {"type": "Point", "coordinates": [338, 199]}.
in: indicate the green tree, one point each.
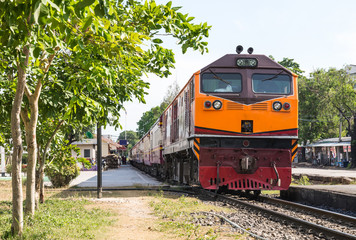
{"type": "Point", "coordinates": [130, 136]}
{"type": "Point", "coordinates": [101, 44]}
{"type": "Point", "coordinates": [335, 90]}
{"type": "Point", "coordinates": [316, 118]}
{"type": "Point", "coordinates": [150, 117]}
{"type": "Point", "coordinates": [171, 93]}
{"type": "Point", "coordinates": [147, 120]}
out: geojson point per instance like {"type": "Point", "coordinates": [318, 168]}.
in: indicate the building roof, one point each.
{"type": "Point", "coordinates": [351, 69]}
{"type": "Point", "coordinates": [331, 142]}
{"type": "Point", "coordinates": [94, 142]}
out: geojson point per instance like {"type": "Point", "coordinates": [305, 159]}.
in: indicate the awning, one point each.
{"type": "Point", "coordinates": [330, 144]}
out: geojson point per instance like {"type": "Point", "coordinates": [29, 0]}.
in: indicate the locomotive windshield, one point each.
{"type": "Point", "coordinates": [271, 83]}
{"type": "Point", "coordinates": [221, 82]}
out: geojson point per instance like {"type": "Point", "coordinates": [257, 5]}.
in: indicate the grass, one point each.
{"type": "Point", "coordinates": [176, 216]}
{"type": "Point", "coordinates": [303, 180]}
{"type": "Point", "coordinates": [57, 219]}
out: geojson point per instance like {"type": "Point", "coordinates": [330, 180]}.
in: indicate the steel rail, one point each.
{"type": "Point", "coordinates": [334, 215]}
{"type": "Point", "coordinates": [320, 229]}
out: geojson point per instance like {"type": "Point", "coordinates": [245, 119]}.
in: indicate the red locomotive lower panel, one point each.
{"type": "Point", "coordinates": [252, 169]}
{"type": "Point", "coordinates": [264, 178]}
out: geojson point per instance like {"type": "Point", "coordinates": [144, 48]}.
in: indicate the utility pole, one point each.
{"type": "Point", "coordinates": [98, 162]}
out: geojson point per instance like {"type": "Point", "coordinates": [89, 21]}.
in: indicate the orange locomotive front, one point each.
{"type": "Point", "coordinates": [245, 123]}
{"type": "Point", "coordinates": [233, 125]}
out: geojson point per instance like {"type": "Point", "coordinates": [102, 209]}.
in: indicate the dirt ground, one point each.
{"type": "Point", "coordinates": [135, 219]}
{"type": "Point", "coordinates": [132, 215]}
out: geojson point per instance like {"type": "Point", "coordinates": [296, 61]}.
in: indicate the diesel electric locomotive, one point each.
{"type": "Point", "coordinates": [234, 125]}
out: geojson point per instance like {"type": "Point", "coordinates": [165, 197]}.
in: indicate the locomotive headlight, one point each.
{"type": "Point", "coordinates": [277, 106]}
{"type": "Point", "coordinates": [217, 104]}
{"type": "Point", "coordinates": [246, 62]}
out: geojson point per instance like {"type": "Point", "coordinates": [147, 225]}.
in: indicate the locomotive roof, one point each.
{"type": "Point", "coordinates": [229, 61]}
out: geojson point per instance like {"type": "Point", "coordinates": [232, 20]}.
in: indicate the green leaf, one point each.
{"type": "Point", "coordinates": [157, 40]}
{"type": "Point", "coordinates": [190, 19]}
{"type": "Point", "coordinates": [37, 11]}
{"type": "Point", "coordinates": [83, 4]}
{"type": "Point", "coordinates": [87, 23]}
{"type": "Point", "coordinates": [51, 3]}
{"type": "Point", "coordinates": [36, 52]}
{"type": "Point", "coordinates": [99, 10]}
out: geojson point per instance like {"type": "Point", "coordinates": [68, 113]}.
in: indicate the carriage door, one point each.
{"type": "Point", "coordinates": [175, 121]}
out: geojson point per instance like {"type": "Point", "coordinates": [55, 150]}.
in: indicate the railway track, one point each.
{"type": "Point", "coordinates": [316, 223]}
{"type": "Point", "coordinates": [320, 223]}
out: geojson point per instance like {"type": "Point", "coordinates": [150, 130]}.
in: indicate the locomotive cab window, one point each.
{"type": "Point", "coordinates": [271, 83]}
{"type": "Point", "coordinates": [221, 82]}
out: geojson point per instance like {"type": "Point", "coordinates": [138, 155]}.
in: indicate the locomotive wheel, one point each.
{"type": "Point", "coordinates": [256, 193]}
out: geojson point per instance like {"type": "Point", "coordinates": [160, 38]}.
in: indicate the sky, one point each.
{"type": "Point", "coordinates": [315, 33]}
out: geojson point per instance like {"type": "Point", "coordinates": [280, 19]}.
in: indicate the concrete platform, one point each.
{"type": "Point", "coordinates": [124, 176]}
{"type": "Point", "coordinates": [325, 174]}
{"type": "Point", "coordinates": [334, 196]}
{"type": "Point", "coordinates": [341, 196]}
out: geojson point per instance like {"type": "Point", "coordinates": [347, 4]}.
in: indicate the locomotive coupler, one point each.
{"type": "Point", "coordinates": [247, 163]}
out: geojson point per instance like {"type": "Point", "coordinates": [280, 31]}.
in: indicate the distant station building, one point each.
{"type": "Point", "coordinates": [2, 161]}
{"type": "Point", "coordinates": [88, 148]}
{"type": "Point", "coordinates": [351, 69]}
{"type": "Point", "coordinates": [331, 152]}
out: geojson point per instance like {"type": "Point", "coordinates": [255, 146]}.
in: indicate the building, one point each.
{"type": "Point", "coordinates": [351, 69]}
{"type": "Point", "coordinates": [2, 160]}
{"type": "Point", "coordinates": [331, 151]}
{"type": "Point", "coordinates": [88, 148]}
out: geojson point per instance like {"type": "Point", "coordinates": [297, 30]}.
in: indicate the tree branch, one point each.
{"type": "Point", "coordinates": [38, 88]}
{"type": "Point", "coordinates": [24, 117]}
{"type": "Point", "coordinates": [28, 92]}
{"type": "Point", "coordinates": [51, 138]}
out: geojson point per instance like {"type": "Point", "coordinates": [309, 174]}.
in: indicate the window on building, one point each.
{"type": "Point", "coordinates": [87, 153]}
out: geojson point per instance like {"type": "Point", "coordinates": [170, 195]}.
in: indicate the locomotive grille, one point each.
{"type": "Point", "coordinates": [234, 106]}
{"type": "Point", "coordinates": [259, 106]}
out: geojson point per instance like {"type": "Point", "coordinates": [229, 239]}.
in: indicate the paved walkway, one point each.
{"type": "Point", "coordinates": [336, 173]}
{"type": "Point", "coordinates": [124, 176]}
{"type": "Point", "coordinates": [325, 172]}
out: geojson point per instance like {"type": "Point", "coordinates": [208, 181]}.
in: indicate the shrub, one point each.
{"type": "Point", "coordinates": [62, 175]}
{"type": "Point", "coordinates": [9, 168]}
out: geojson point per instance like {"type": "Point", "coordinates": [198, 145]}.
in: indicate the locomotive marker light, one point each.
{"type": "Point", "coordinates": [246, 143]}
{"type": "Point", "coordinates": [207, 104]}
{"type": "Point", "coordinates": [286, 106]}
{"type": "Point", "coordinates": [277, 106]}
{"type": "Point", "coordinates": [217, 104]}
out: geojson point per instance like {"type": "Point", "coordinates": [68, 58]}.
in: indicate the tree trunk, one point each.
{"type": "Point", "coordinates": [42, 161]}
{"type": "Point", "coordinates": [32, 157]}
{"type": "Point", "coordinates": [17, 197]}
{"type": "Point", "coordinates": [353, 143]}
{"type": "Point", "coordinates": [304, 159]}
{"type": "Point", "coordinates": [31, 140]}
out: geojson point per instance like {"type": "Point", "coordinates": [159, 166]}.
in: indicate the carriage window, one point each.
{"type": "Point", "coordinates": [221, 82]}
{"type": "Point", "coordinates": [271, 83]}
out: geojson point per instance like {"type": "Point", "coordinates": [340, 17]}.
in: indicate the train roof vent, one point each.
{"type": "Point", "coordinates": [259, 106]}
{"type": "Point", "coordinates": [234, 106]}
